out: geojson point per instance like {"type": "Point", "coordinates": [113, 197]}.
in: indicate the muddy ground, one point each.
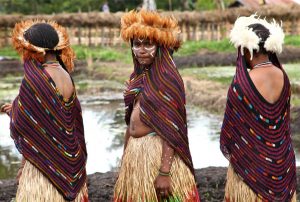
{"type": "Point", "coordinates": [201, 59]}
{"type": "Point", "coordinates": [210, 184]}
{"type": "Point", "coordinates": [204, 59]}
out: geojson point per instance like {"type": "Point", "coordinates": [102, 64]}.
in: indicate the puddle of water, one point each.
{"type": "Point", "coordinates": [104, 131]}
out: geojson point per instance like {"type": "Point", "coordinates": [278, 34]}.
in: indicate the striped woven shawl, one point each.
{"type": "Point", "coordinates": [48, 131]}
{"type": "Point", "coordinates": [162, 102]}
{"type": "Point", "coordinates": [255, 136]}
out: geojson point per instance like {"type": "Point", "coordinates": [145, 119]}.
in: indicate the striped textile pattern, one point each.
{"type": "Point", "coordinates": [162, 102]}
{"type": "Point", "coordinates": [48, 130]}
{"type": "Point", "coordinates": [256, 136]}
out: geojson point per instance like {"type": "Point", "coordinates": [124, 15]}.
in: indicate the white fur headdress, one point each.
{"type": "Point", "coordinates": [243, 36]}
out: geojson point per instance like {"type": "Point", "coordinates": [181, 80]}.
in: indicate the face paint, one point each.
{"type": "Point", "coordinates": [152, 50]}
{"type": "Point", "coordinates": [135, 50]}
{"type": "Point", "coordinates": [144, 51]}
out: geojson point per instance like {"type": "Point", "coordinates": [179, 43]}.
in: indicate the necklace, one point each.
{"type": "Point", "coordinates": [52, 64]}
{"type": "Point", "coordinates": [262, 64]}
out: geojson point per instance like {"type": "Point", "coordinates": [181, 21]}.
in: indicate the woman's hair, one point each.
{"type": "Point", "coordinates": [42, 35]}
{"type": "Point", "coordinates": [263, 33]}
{"type": "Point", "coordinates": [45, 36]}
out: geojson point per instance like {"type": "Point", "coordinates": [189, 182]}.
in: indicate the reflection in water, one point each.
{"type": "Point", "coordinates": [104, 132]}
{"type": "Point", "coordinates": [104, 135]}
{"type": "Point", "coordinates": [9, 163]}
{"type": "Point", "coordinates": [9, 156]}
{"type": "Point", "coordinates": [118, 128]}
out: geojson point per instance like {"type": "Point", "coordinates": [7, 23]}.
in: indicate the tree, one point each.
{"type": "Point", "coordinates": [58, 6]}
{"type": "Point", "coordinates": [212, 4]}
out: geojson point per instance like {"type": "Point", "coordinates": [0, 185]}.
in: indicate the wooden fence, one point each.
{"type": "Point", "coordinates": [102, 29]}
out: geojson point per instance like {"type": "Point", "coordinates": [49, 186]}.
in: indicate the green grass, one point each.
{"type": "Point", "coordinates": [222, 75]}
{"type": "Point", "coordinates": [292, 41]}
{"type": "Point", "coordinates": [123, 53]}
{"type": "Point", "coordinates": [192, 47]}
{"type": "Point", "coordinates": [9, 52]}
{"type": "Point", "coordinates": [293, 72]}
{"type": "Point", "coordinates": [108, 54]}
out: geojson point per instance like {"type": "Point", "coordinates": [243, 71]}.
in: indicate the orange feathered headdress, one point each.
{"type": "Point", "coordinates": [28, 50]}
{"type": "Point", "coordinates": [149, 24]}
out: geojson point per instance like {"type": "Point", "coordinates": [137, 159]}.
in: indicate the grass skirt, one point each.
{"type": "Point", "coordinates": [236, 190]}
{"type": "Point", "coordinates": [139, 169]}
{"type": "Point", "coordinates": [34, 186]}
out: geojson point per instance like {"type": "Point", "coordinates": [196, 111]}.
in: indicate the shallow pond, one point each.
{"type": "Point", "coordinates": [104, 130]}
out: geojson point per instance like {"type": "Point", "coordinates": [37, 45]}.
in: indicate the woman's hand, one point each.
{"type": "Point", "coordinates": [163, 181]}
{"type": "Point", "coordinates": [163, 187]}
{"type": "Point", "coordinates": [6, 108]}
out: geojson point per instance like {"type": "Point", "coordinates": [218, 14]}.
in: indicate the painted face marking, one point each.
{"type": "Point", "coordinates": [144, 50]}
{"type": "Point", "coordinates": [152, 49]}
{"type": "Point", "coordinates": [134, 51]}
{"type": "Point", "coordinates": [136, 48]}
{"type": "Point", "coordinates": [152, 53]}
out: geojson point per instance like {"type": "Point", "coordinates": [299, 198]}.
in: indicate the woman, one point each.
{"type": "Point", "coordinates": [255, 135]}
{"type": "Point", "coordinates": [156, 164]}
{"type": "Point", "coordinates": [46, 122]}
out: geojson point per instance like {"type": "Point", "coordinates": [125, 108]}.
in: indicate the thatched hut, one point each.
{"type": "Point", "coordinates": [96, 28]}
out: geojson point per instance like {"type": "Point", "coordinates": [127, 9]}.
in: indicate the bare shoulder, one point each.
{"type": "Point", "coordinates": [62, 81]}
{"type": "Point", "coordinates": [59, 74]}
{"type": "Point", "coordinates": [272, 73]}
{"type": "Point", "coordinates": [269, 81]}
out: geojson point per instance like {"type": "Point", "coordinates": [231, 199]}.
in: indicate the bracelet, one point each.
{"type": "Point", "coordinates": [164, 173]}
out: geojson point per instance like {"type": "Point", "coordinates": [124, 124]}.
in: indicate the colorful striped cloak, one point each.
{"type": "Point", "coordinates": [256, 136]}
{"type": "Point", "coordinates": [48, 130]}
{"type": "Point", "coordinates": [162, 102]}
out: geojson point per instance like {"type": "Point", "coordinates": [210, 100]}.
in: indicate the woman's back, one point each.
{"type": "Point", "coordinates": [47, 130]}
{"type": "Point", "coordinates": [269, 81]}
{"type": "Point", "coordinates": [62, 80]}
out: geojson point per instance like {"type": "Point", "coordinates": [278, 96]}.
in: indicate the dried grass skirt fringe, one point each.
{"type": "Point", "coordinates": [236, 190]}
{"type": "Point", "coordinates": [35, 187]}
{"type": "Point", "coordinates": [139, 168]}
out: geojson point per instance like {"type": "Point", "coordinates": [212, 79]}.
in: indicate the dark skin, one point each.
{"type": "Point", "coordinates": [268, 79]}
{"type": "Point", "coordinates": [6, 108]}
{"type": "Point", "coordinates": [64, 84]}
{"type": "Point", "coordinates": [144, 51]}
{"type": "Point", "coordinates": [61, 78]}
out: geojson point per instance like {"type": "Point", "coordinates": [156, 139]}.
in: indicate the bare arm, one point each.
{"type": "Point", "coordinates": [166, 158]}
{"type": "Point", "coordinates": [163, 180]}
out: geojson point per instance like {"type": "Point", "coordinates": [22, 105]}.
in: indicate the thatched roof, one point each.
{"type": "Point", "coordinates": [282, 12]}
